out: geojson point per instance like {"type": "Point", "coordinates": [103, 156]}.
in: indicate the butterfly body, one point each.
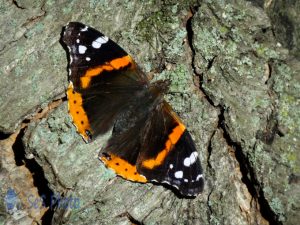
{"type": "Point", "coordinates": [108, 90]}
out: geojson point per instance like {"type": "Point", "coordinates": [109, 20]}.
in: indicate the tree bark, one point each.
{"type": "Point", "coordinates": [234, 82]}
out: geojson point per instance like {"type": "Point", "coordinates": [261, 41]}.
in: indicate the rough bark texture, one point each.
{"type": "Point", "coordinates": [235, 83]}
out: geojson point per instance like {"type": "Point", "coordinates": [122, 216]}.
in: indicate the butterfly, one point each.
{"type": "Point", "coordinates": [108, 90]}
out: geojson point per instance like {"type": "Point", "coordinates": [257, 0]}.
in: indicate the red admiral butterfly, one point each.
{"type": "Point", "coordinates": [108, 90]}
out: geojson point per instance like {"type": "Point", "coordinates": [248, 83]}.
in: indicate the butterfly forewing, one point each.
{"type": "Point", "coordinates": [102, 79]}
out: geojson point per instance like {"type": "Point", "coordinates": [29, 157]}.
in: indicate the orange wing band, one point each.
{"type": "Point", "coordinates": [123, 168]}
{"type": "Point", "coordinates": [77, 112]}
{"type": "Point", "coordinates": [172, 140]}
{"type": "Point", "coordinates": [114, 64]}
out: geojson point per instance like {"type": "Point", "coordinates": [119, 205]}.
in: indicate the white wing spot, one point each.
{"type": "Point", "coordinates": [71, 59]}
{"type": "Point", "coordinates": [77, 40]}
{"type": "Point", "coordinates": [165, 182]}
{"type": "Point", "coordinates": [175, 186]}
{"type": "Point", "coordinates": [187, 161]}
{"type": "Point", "coordinates": [178, 174]}
{"type": "Point", "coordinates": [99, 41]}
{"type": "Point", "coordinates": [171, 166]}
{"type": "Point", "coordinates": [198, 177]}
{"type": "Point", "coordinates": [84, 29]}
{"type": "Point", "coordinates": [186, 180]}
{"type": "Point", "coordinates": [87, 58]}
{"type": "Point", "coordinates": [191, 159]}
{"type": "Point", "coordinates": [82, 49]}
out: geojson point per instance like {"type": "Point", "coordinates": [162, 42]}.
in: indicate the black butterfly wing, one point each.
{"type": "Point", "coordinates": [123, 148]}
{"type": "Point", "coordinates": [168, 154]}
{"type": "Point", "coordinates": [156, 148]}
{"type": "Point", "coordinates": [103, 79]}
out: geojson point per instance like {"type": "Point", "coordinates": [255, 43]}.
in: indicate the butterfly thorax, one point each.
{"type": "Point", "coordinates": [141, 105]}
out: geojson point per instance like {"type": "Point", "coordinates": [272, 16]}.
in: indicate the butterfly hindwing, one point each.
{"type": "Point", "coordinates": [156, 148]}
{"type": "Point", "coordinates": [107, 89]}
{"type": "Point", "coordinates": [123, 149]}
{"type": "Point", "coordinates": [169, 154]}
